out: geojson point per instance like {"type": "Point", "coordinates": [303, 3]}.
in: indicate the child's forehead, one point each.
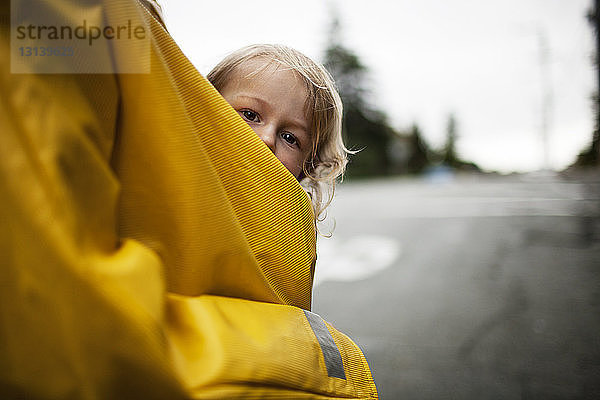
{"type": "Point", "coordinates": [258, 67]}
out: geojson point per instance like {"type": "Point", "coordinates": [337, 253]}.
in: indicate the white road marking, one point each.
{"type": "Point", "coordinates": [354, 258]}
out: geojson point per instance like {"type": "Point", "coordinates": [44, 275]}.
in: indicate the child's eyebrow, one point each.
{"type": "Point", "coordinates": [251, 97]}
{"type": "Point", "coordinates": [293, 121]}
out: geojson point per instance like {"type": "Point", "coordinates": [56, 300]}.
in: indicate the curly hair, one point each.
{"type": "Point", "coordinates": [327, 159]}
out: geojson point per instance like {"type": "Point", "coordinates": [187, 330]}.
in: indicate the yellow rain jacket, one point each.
{"type": "Point", "coordinates": [151, 246]}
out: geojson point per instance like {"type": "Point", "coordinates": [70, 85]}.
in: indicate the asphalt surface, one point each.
{"type": "Point", "coordinates": [469, 288]}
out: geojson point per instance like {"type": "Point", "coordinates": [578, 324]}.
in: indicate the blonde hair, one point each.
{"type": "Point", "coordinates": [327, 160]}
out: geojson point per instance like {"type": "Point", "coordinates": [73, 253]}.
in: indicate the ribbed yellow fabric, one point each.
{"type": "Point", "coordinates": [271, 352]}
{"type": "Point", "coordinates": [151, 246]}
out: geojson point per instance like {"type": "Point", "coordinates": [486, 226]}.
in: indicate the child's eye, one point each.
{"type": "Point", "coordinates": [289, 138]}
{"type": "Point", "coordinates": [250, 115]}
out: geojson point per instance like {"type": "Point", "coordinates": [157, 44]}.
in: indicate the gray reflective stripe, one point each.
{"type": "Point", "coordinates": [331, 354]}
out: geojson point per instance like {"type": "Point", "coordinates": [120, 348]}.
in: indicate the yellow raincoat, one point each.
{"type": "Point", "coordinates": [151, 246]}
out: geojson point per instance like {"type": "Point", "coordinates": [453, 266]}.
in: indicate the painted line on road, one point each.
{"type": "Point", "coordinates": [355, 258]}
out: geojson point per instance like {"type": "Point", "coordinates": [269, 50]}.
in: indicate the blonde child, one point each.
{"type": "Point", "coordinates": [292, 104]}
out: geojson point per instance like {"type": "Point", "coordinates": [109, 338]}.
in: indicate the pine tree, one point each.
{"type": "Point", "coordinates": [419, 157]}
{"type": "Point", "coordinates": [365, 128]}
{"type": "Point", "coordinates": [591, 156]}
{"type": "Point", "coordinates": [450, 157]}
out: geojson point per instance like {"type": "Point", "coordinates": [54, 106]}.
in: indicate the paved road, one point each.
{"type": "Point", "coordinates": [479, 288]}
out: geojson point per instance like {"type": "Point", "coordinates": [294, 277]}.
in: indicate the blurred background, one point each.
{"type": "Point", "coordinates": [466, 251]}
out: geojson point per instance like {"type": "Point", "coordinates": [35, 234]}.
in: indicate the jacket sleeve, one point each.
{"type": "Point", "coordinates": [227, 348]}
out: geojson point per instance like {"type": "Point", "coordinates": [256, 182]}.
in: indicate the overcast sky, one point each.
{"type": "Point", "coordinates": [477, 59]}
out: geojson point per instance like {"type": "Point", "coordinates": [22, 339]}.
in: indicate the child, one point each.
{"type": "Point", "coordinates": [292, 104]}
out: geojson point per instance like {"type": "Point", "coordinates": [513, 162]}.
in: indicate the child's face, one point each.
{"type": "Point", "coordinates": [272, 102]}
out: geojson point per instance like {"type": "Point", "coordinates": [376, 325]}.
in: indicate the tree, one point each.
{"type": "Point", "coordinates": [591, 156]}
{"type": "Point", "coordinates": [366, 129]}
{"type": "Point", "coordinates": [419, 154]}
{"type": "Point", "coordinates": [449, 153]}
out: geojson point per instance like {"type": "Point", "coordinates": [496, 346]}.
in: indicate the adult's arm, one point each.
{"type": "Point", "coordinates": [151, 245]}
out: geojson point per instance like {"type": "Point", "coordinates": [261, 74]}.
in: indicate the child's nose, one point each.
{"type": "Point", "coordinates": [268, 136]}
